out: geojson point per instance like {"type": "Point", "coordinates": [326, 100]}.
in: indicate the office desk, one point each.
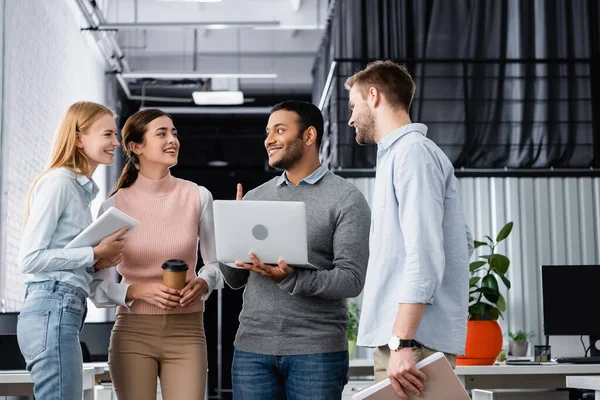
{"type": "Point", "coordinates": [19, 383]}
{"type": "Point", "coordinates": [585, 382]}
{"type": "Point", "coordinates": [522, 376]}
{"type": "Point", "coordinates": [502, 376]}
{"type": "Point", "coordinates": [362, 367]}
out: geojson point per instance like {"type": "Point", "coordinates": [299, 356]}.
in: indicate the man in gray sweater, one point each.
{"type": "Point", "coordinates": [291, 342]}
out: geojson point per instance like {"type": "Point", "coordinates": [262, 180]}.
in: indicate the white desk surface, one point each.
{"type": "Point", "coordinates": [584, 382]}
{"type": "Point", "coordinates": [99, 366]}
{"type": "Point", "coordinates": [548, 369]}
{"type": "Point", "coordinates": [361, 362]}
{"type": "Point", "coordinates": [15, 376]}
{"type": "Point", "coordinates": [503, 369]}
{"type": "Point", "coordinates": [502, 376]}
{"type": "Point", "coordinates": [22, 376]}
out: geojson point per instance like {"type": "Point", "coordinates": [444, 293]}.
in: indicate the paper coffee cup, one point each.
{"type": "Point", "coordinates": [174, 273]}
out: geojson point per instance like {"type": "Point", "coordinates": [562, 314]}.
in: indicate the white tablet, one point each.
{"type": "Point", "coordinates": [108, 223]}
{"type": "Point", "coordinates": [272, 230]}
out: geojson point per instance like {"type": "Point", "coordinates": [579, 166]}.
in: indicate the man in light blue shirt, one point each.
{"type": "Point", "coordinates": [416, 293]}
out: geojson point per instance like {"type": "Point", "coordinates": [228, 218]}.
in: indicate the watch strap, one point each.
{"type": "Point", "coordinates": [406, 343]}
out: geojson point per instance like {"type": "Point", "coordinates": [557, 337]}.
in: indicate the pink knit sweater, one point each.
{"type": "Point", "coordinates": [168, 211]}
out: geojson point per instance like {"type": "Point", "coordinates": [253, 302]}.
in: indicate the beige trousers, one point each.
{"type": "Point", "coordinates": [382, 359]}
{"type": "Point", "coordinates": [171, 347]}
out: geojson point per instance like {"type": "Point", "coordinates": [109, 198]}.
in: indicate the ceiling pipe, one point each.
{"type": "Point", "coordinates": [215, 110]}
{"type": "Point", "coordinates": [194, 75]}
{"type": "Point", "coordinates": [116, 59]}
{"type": "Point", "coordinates": [110, 37]}
{"type": "Point", "coordinates": [110, 58]}
{"type": "Point", "coordinates": [103, 26]}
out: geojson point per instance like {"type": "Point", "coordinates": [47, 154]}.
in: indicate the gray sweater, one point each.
{"type": "Point", "coordinates": [306, 313]}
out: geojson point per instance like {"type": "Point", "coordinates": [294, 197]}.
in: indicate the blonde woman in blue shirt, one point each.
{"type": "Point", "coordinates": [57, 210]}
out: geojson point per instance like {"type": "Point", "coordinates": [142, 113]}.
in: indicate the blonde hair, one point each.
{"type": "Point", "coordinates": [65, 153]}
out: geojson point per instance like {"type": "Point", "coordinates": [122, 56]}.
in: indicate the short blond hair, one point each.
{"type": "Point", "coordinates": [390, 79]}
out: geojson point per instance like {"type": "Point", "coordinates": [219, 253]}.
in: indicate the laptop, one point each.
{"type": "Point", "coordinates": [441, 383]}
{"type": "Point", "coordinates": [272, 230]}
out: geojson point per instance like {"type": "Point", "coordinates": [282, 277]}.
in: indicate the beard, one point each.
{"type": "Point", "coordinates": [365, 129]}
{"type": "Point", "coordinates": [292, 153]}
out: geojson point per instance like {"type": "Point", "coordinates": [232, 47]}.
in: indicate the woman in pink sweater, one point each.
{"type": "Point", "coordinates": [159, 331]}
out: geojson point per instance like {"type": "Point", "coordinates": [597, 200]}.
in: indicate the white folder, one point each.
{"type": "Point", "coordinates": [441, 383]}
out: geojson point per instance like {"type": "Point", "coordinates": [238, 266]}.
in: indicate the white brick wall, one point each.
{"type": "Point", "coordinates": [49, 64]}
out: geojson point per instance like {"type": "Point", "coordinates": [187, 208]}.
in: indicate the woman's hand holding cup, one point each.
{"type": "Point", "coordinates": [193, 290]}
{"type": "Point", "coordinates": [156, 294]}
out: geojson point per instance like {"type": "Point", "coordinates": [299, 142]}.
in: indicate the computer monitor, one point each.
{"type": "Point", "coordinates": [10, 354]}
{"type": "Point", "coordinates": [95, 338]}
{"type": "Point", "coordinates": [571, 294]}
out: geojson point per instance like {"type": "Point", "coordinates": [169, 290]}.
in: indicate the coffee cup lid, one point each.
{"type": "Point", "coordinates": [175, 265]}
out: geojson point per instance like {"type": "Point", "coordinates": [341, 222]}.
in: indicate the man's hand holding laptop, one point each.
{"type": "Point", "coordinates": [275, 272]}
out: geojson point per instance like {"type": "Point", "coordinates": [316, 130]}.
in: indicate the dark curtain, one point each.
{"type": "Point", "coordinates": [500, 83]}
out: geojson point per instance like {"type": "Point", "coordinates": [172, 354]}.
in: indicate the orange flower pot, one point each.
{"type": "Point", "coordinates": [484, 343]}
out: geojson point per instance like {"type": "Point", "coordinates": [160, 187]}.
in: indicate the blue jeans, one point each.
{"type": "Point", "coordinates": [48, 335]}
{"type": "Point", "coordinates": [296, 377]}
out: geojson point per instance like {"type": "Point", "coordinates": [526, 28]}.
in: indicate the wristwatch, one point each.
{"type": "Point", "coordinates": [395, 343]}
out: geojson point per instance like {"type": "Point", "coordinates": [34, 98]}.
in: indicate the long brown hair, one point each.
{"type": "Point", "coordinates": [133, 131]}
{"type": "Point", "coordinates": [65, 153]}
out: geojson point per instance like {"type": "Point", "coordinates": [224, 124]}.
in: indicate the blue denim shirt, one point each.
{"type": "Point", "coordinates": [419, 246]}
{"type": "Point", "coordinates": [59, 210]}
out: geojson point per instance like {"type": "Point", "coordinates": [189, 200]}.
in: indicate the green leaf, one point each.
{"type": "Point", "coordinates": [477, 309]}
{"type": "Point", "coordinates": [492, 312]}
{"type": "Point", "coordinates": [473, 281]}
{"type": "Point", "coordinates": [488, 256]}
{"type": "Point", "coordinates": [490, 294]}
{"type": "Point", "coordinates": [475, 265]}
{"type": "Point", "coordinates": [471, 299]}
{"type": "Point", "coordinates": [501, 303]}
{"type": "Point", "coordinates": [490, 239]}
{"type": "Point", "coordinates": [500, 264]}
{"type": "Point", "coordinates": [506, 281]}
{"type": "Point", "coordinates": [485, 290]}
{"type": "Point", "coordinates": [504, 232]}
{"type": "Point", "coordinates": [479, 244]}
{"type": "Point", "coordinates": [489, 281]}
{"type": "Point", "coordinates": [492, 298]}
{"type": "Point", "coordinates": [520, 336]}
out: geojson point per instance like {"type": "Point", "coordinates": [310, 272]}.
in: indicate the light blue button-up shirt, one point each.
{"type": "Point", "coordinates": [309, 180]}
{"type": "Point", "coordinates": [59, 210]}
{"type": "Point", "coordinates": [419, 246]}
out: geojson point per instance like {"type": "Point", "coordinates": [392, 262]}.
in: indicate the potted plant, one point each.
{"type": "Point", "coordinates": [352, 330]}
{"type": "Point", "coordinates": [501, 357]}
{"type": "Point", "coordinates": [486, 303]}
{"type": "Point", "coordinates": [519, 342]}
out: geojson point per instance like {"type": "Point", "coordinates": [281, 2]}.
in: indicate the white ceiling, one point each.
{"type": "Point", "coordinates": [286, 46]}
